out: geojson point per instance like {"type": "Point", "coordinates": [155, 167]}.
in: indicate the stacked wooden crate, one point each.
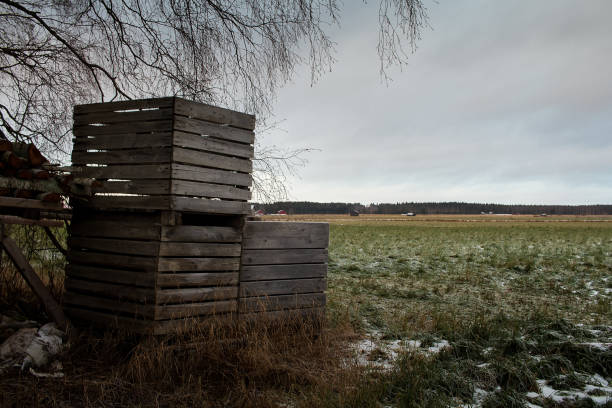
{"type": "Point", "coordinates": [284, 268]}
{"type": "Point", "coordinates": [161, 239]}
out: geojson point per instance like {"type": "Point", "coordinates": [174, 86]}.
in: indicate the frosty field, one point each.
{"type": "Point", "coordinates": [505, 312]}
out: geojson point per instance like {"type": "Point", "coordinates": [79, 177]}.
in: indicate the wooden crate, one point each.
{"type": "Point", "coordinates": [283, 268]}
{"type": "Point", "coordinates": [165, 154]}
{"type": "Point", "coordinates": [150, 272]}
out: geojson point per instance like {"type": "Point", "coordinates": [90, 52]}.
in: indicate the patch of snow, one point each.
{"type": "Point", "coordinates": [560, 396]}
{"type": "Point", "coordinates": [598, 346]}
{"type": "Point", "coordinates": [439, 346]}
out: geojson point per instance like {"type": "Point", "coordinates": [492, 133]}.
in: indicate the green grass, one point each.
{"type": "Point", "coordinates": [521, 305]}
{"type": "Point", "coordinates": [518, 302]}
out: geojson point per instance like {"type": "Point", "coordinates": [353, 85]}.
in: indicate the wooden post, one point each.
{"type": "Point", "coordinates": [53, 308]}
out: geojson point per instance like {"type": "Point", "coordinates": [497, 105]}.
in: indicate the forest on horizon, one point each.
{"type": "Point", "coordinates": [309, 207]}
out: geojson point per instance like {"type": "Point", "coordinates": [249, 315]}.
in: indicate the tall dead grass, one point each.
{"type": "Point", "coordinates": [259, 363]}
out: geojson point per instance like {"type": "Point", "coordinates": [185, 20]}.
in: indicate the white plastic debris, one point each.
{"type": "Point", "coordinates": [31, 347]}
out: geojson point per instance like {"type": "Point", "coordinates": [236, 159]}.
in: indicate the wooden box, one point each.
{"type": "Point", "coordinates": [283, 268]}
{"type": "Point", "coordinates": [165, 154]}
{"type": "Point", "coordinates": [150, 271]}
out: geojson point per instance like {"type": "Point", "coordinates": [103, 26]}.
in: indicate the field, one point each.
{"type": "Point", "coordinates": [425, 311]}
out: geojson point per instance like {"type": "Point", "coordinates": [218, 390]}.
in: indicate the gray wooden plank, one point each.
{"type": "Point", "coordinates": [165, 280]}
{"type": "Point", "coordinates": [29, 203]}
{"type": "Point", "coordinates": [104, 229]}
{"type": "Point", "coordinates": [123, 202]}
{"type": "Point", "coordinates": [120, 276]}
{"type": "Point", "coordinates": [198, 264]}
{"type": "Point", "coordinates": [101, 303]}
{"type": "Point", "coordinates": [210, 206]}
{"type": "Point", "coordinates": [124, 141]}
{"type": "Point", "coordinates": [141, 263]}
{"type": "Point", "coordinates": [110, 320]}
{"type": "Point", "coordinates": [189, 249]}
{"type": "Point", "coordinates": [195, 309]}
{"type": "Point", "coordinates": [119, 128]}
{"type": "Point", "coordinates": [111, 290]}
{"type": "Point", "coordinates": [213, 114]}
{"type": "Point", "coordinates": [149, 187]}
{"type": "Point", "coordinates": [192, 233]}
{"type": "Point", "coordinates": [123, 116]}
{"type": "Point", "coordinates": [271, 272]}
{"type": "Point", "coordinates": [149, 103]}
{"type": "Point", "coordinates": [185, 295]}
{"type": "Point", "coordinates": [281, 287]}
{"type": "Point", "coordinates": [207, 143]}
{"type": "Point", "coordinates": [278, 235]}
{"type": "Point", "coordinates": [127, 172]}
{"type": "Point", "coordinates": [201, 127]}
{"type": "Point", "coordinates": [127, 156]}
{"type": "Point", "coordinates": [283, 256]}
{"type": "Point", "coordinates": [194, 173]}
{"type": "Point", "coordinates": [120, 246]}
{"type": "Point", "coordinates": [201, 158]}
{"type": "Point", "coordinates": [194, 188]}
{"type": "Point", "coordinates": [281, 302]}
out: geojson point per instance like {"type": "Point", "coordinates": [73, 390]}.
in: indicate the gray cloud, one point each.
{"type": "Point", "coordinates": [503, 101]}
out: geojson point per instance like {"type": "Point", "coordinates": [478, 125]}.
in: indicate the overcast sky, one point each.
{"type": "Point", "coordinates": [504, 101]}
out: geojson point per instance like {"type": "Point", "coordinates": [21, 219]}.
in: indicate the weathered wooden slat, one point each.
{"type": "Point", "coordinates": [194, 188]}
{"type": "Point", "coordinates": [128, 172]}
{"type": "Point", "coordinates": [280, 302]}
{"type": "Point", "coordinates": [119, 128]}
{"type": "Point", "coordinates": [123, 218]}
{"type": "Point", "coordinates": [314, 314]}
{"type": "Point", "coordinates": [190, 233]}
{"type": "Point", "coordinates": [105, 229]}
{"type": "Point", "coordinates": [209, 206]}
{"type": "Point", "coordinates": [194, 173]}
{"type": "Point", "coordinates": [25, 269]}
{"type": "Point", "coordinates": [153, 187]}
{"type": "Point", "coordinates": [98, 302]}
{"type": "Point", "coordinates": [120, 246]}
{"type": "Point", "coordinates": [123, 202]}
{"type": "Point", "coordinates": [281, 287]}
{"type": "Point", "coordinates": [283, 256]}
{"type": "Point", "coordinates": [198, 264]}
{"type": "Point", "coordinates": [200, 127]}
{"type": "Point", "coordinates": [124, 141]}
{"type": "Point", "coordinates": [201, 158]}
{"type": "Point", "coordinates": [111, 290]}
{"type": "Point", "coordinates": [120, 117]}
{"type": "Point", "coordinates": [144, 279]}
{"type": "Point", "coordinates": [187, 249]}
{"type": "Point", "coordinates": [207, 143]}
{"type": "Point", "coordinates": [167, 102]}
{"type": "Point", "coordinates": [165, 280]}
{"type": "Point", "coordinates": [278, 235]}
{"type": "Point", "coordinates": [213, 114]}
{"type": "Point", "coordinates": [14, 219]}
{"type": "Point", "coordinates": [195, 309]}
{"type": "Point", "coordinates": [112, 320]}
{"type": "Point", "coordinates": [29, 203]}
{"type": "Point", "coordinates": [140, 156]}
{"type": "Point", "coordinates": [142, 263]}
{"type": "Point", "coordinates": [185, 295]}
{"type": "Point", "coordinates": [271, 272]}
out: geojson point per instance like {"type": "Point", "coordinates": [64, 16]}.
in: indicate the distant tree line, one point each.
{"type": "Point", "coordinates": [308, 207]}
